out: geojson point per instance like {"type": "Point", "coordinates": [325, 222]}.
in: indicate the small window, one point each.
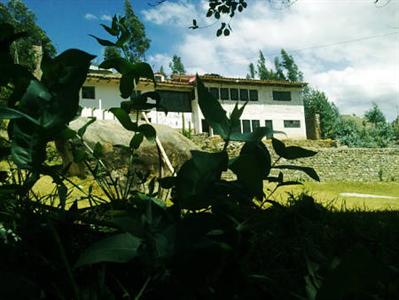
{"type": "Point", "coordinates": [255, 124]}
{"type": "Point", "coordinates": [224, 94]}
{"type": "Point", "coordinates": [233, 94]}
{"type": "Point", "coordinates": [88, 92]}
{"type": "Point", "coordinates": [281, 96]}
{"type": "Point", "coordinates": [243, 95]}
{"type": "Point", "coordinates": [205, 126]}
{"type": "Point", "coordinates": [253, 95]}
{"type": "Point", "coordinates": [246, 126]}
{"type": "Point", "coordinates": [292, 124]}
{"type": "Point", "coordinates": [214, 92]}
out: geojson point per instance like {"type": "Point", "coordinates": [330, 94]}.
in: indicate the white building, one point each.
{"type": "Point", "coordinates": [275, 104]}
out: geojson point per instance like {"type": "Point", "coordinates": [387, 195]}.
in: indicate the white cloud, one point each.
{"type": "Point", "coordinates": [90, 17]}
{"type": "Point", "coordinates": [343, 46]}
{"type": "Point", "coordinates": [158, 60]}
{"type": "Point", "coordinates": [106, 18]}
{"type": "Point", "coordinates": [179, 13]}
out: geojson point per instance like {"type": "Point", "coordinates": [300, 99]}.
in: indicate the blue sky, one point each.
{"type": "Point", "coordinates": [69, 23]}
{"type": "Point", "coordinates": [347, 48]}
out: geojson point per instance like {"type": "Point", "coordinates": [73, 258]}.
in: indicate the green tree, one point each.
{"type": "Point", "coordinates": [176, 65]}
{"type": "Point", "coordinates": [252, 71]}
{"type": "Point", "coordinates": [263, 72]}
{"type": "Point", "coordinates": [316, 102]}
{"type": "Point", "coordinates": [111, 53]}
{"type": "Point", "coordinates": [162, 71]}
{"type": "Point", "coordinates": [17, 14]}
{"type": "Point", "coordinates": [375, 116]}
{"type": "Point", "coordinates": [137, 43]}
{"type": "Point", "coordinates": [279, 69]}
{"type": "Point", "coordinates": [292, 70]}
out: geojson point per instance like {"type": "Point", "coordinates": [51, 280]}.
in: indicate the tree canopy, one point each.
{"type": "Point", "coordinates": [285, 68]}
{"type": "Point", "coordinates": [316, 102]}
{"type": "Point", "coordinates": [17, 14]}
{"type": "Point", "coordinates": [137, 43]}
{"type": "Point", "coordinates": [375, 116]}
{"type": "Point", "coordinates": [176, 65]}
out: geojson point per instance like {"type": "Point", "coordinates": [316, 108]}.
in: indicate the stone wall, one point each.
{"type": "Point", "coordinates": [332, 163]}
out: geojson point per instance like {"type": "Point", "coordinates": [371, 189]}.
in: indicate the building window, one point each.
{"type": "Point", "coordinates": [224, 94]}
{"type": "Point", "coordinates": [281, 96]}
{"type": "Point", "coordinates": [214, 92]}
{"type": "Point", "coordinates": [233, 94]}
{"type": "Point", "coordinates": [246, 126]}
{"type": "Point", "coordinates": [255, 124]}
{"type": "Point", "coordinates": [292, 124]}
{"type": "Point", "coordinates": [88, 92]}
{"type": "Point", "coordinates": [172, 101]}
{"type": "Point", "coordinates": [205, 126]}
{"type": "Point", "coordinates": [269, 125]}
{"type": "Point", "coordinates": [243, 95]}
{"type": "Point", "coordinates": [253, 95]}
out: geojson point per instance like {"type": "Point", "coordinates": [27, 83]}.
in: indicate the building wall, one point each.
{"type": "Point", "coordinates": [268, 109]}
{"type": "Point", "coordinates": [106, 91]}
{"type": "Point", "coordinates": [107, 95]}
{"type": "Point", "coordinates": [263, 109]}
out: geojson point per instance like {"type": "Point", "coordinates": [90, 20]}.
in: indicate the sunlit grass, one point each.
{"type": "Point", "coordinates": [328, 193]}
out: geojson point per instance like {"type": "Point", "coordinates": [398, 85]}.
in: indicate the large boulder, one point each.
{"type": "Point", "coordinates": [112, 136]}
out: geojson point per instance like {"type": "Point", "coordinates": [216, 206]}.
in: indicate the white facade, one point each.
{"type": "Point", "coordinates": [285, 116]}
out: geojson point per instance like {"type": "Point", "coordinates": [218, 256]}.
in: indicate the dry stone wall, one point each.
{"type": "Point", "coordinates": [331, 163]}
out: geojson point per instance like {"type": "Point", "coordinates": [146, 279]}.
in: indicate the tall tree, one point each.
{"type": "Point", "coordinates": [138, 43]}
{"type": "Point", "coordinates": [375, 116]}
{"type": "Point", "coordinates": [16, 13]}
{"type": "Point", "coordinates": [162, 71]}
{"type": "Point", "coordinates": [293, 72]}
{"type": "Point", "coordinates": [176, 65]}
{"type": "Point", "coordinates": [279, 69]}
{"type": "Point", "coordinates": [263, 72]}
{"type": "Point", "coordinates": [316, 102]}
{"type": "Point", "coordinates": [252, 71]}
{"type": "Point", "coordinates": [111, 53]}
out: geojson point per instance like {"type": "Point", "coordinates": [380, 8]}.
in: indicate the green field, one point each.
{"type": "Point", "coordinates": [328, 193]}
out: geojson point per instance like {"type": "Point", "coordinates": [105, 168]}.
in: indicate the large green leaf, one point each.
{"type": "Point", "coordinates": [119, 248]}
{"type": "Point", "coordinates": [124, 118]}
{"type": "Point", "coordinates": [213, 111]}
{"type": "Point", "coordinates": [131, 73]}
{"type": "Point", "coordinates": [103, 42]}
{"type": "Point", "coordinates": [195, 179]}
{"type": "Point", "coordinates": [308, 170]}
{"type": "Point", "coordinates": [64, 76]}
{"type": "Point", "coordinates": [257, 135]}
{"type": "Point", "coordinates": [236, 115]}
{"type": "Point", "coordinates": [291, 152]}
{"type": "Point", "coordinates": [120, 64]}
{"type": "Point", "coordinates": [127, 83]}
{"type": "Point", "coordinates": [7, 113]}
{"type": "Point", "coordinates": [148, 131]}
{"type": "Point", "coordinates": [252, 166]}
{"type": "Point", "coordinates": [82, 130]}
{"type": "Point", "coordinates": [110, 30]}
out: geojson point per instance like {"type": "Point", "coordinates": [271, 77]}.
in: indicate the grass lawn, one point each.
{"type": "Point", "coordinates": [328, 193]}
